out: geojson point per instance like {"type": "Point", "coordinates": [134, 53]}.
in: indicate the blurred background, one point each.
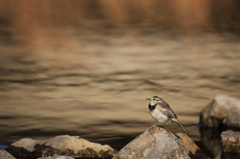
{"type": "Point", "coordinates": [85, 67]}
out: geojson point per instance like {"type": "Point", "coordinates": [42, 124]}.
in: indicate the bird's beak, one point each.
{"type": "Point", "coordinates": [148, 98]}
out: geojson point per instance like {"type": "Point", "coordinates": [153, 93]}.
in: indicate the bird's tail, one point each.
{"type": "Point", "coordinates": [176, 121]}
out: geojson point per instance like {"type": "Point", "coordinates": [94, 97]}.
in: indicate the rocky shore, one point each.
{"type": "Point", "coordinates": [221, 114]}
{"type": "Point", "coordinates": [155, 142]}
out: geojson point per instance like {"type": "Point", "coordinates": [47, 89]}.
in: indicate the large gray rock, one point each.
{"type": "Point", "coordinates": [60, 145]}
{"type": "Point", "coordinates": [156, 143]}
{"type": "Point", "coordinates": [5, 155]}
{"type": "Point", "coordinates": [230, 144]}
{"type": "Point", "coordinates": [221, 107]}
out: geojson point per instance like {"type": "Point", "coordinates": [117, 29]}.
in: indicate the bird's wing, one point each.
{"type": "Point", "coordinates": [166, 105]}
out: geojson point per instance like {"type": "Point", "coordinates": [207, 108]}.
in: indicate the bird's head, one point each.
{"type": "Point", "coordinates": [154, 100]}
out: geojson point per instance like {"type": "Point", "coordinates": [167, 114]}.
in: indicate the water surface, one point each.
{"type": "Point", "coordinates": [95, 85]}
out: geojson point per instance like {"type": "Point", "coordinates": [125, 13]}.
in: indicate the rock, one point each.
{"type": "Point", "coordinates": [230, 144]}
{"type": "Point", "coordinates": [221, 107]}
{"type": "Point", "coordinates": [231, 122]}
{"type": "Point", "coordinates": [60, 145]}
{"type": "Point", "coordinates": [57, 157]}
{"type": "Point", "coordinates": [28, 144]}
{"type": "Point", "coordinates": [5, 155]}
{"type": "Point", "coordinates": [156, 142]}
{"type": "Point", "coordinates": [231, 141]}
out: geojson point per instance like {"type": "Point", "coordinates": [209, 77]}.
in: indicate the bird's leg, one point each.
{"type": "Point", "coordinates": [159, 127]}
{"type": "Point", "coordinates": [163, 124]}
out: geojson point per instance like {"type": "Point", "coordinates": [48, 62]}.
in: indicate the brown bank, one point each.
{"type": "Point", "coordinates": [156, 143]}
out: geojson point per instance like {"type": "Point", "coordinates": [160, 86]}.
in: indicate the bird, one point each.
{"type": "Point", "coordinates": [162, 112]}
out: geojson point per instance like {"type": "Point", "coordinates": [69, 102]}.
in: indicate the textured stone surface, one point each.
{"type": "Point", "coordinates": [5, 155]}
{"type": "Point", "coordinates": [156, 142]}
{"type": "Point", "coordinates": [27, 144]}
{"type": "Point", "coordinates": [230, 144]}
{"type": "Point", "coordinates": [221, 107]}
{"type": "Point", "coordinates": [231, 141]}
{"type": "Point", "coordinates": [231, 122]}
{"type": "Point", "coordinates": [60, 145]}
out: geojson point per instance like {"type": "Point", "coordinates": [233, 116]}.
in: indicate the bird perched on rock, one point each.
{"type": "Point", "coordinates": [162, 112]}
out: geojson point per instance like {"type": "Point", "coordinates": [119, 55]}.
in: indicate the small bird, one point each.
{"type": "Point", "coordinates": [162, 112]}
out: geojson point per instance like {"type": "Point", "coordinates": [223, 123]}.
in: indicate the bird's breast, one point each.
{"type": "Point", "coordinates": [160, 116]}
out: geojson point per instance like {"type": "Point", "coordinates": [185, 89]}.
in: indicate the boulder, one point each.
{"type": "Point", "coordinates": [60, 145]}
{"type": "Point", "coordinates": [230, 144]}
{"type": "Point", "coordinates": [5, 155]}
{"type": "Point", "coordinates": [222, 106]}
{"type": "Point", "coordinates": [156, 142]}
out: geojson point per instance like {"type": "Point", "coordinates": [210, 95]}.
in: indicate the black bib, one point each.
{"type": "Point", "coordinates": [152, 107]}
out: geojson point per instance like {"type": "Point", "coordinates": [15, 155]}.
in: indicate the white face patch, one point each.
{"type": "Point", "coordinates": [153, 102]}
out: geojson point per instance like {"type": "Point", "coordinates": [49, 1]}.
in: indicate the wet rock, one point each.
{"type": "Point", "coordinates": [231, 122]}
{"type": "Point", "coordinates": [230, 144]}
{"type": "Point", "coordinates": [5, 155]}
{"type": "Point", "coordinates": [221, 107]}
{"type": "Point", "coordinates": [60, 145]}
{"type": "Point", "coordinates": [156, 142]}
{"type": "Point", "coordinates": [57, 157]}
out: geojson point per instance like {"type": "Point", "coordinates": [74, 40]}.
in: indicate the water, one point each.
{"type": "Point", "coordinates": [94, 84]}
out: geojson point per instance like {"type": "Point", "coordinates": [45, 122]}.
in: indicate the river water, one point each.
{"type": "Point", "coordinates": [94, 84]}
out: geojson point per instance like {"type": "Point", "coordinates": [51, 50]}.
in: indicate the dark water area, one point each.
{"type": "Point", "coordinates": [94, 85]}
